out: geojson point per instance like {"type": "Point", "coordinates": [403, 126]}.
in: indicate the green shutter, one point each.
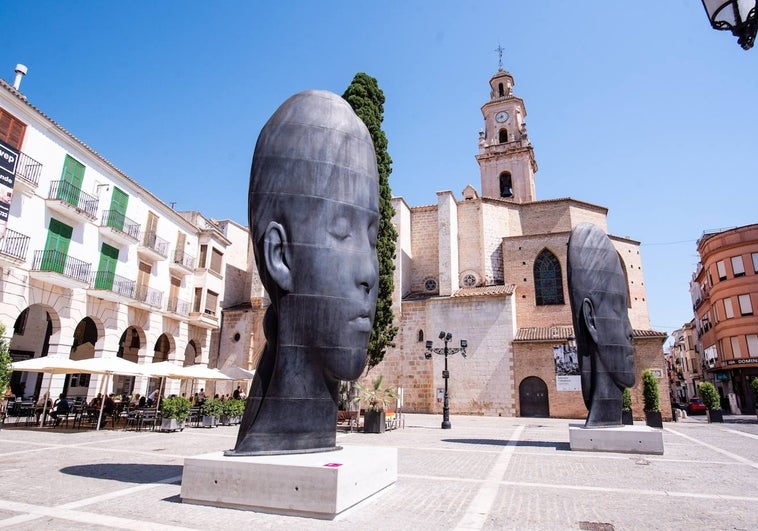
{"type": "Point", "coordinates": [119, 201]}
{"type": "Point", "coordinates": [107, 267]}
{"type": "Point", "coordinates": [56, 246]}
{"type": "Point", "coordinates": [71, 180]}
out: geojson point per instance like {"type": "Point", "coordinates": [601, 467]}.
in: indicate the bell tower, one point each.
{"type": "Point", "coordinates": [506, 158]}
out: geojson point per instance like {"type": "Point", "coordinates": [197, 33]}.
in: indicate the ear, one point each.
{"type": "Point", "coordinates": [275, 255]}
{"type": "Point", "coordinates": [588, 314]}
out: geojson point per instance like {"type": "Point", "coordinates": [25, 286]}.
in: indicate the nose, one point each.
{"type": "Point", "coordinates": [367, 273]}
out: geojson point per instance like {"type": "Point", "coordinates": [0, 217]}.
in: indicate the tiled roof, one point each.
{"type": "Point", "coordinates": [506, 289]}
{"type": "Point", "coordinates": [553, 333]}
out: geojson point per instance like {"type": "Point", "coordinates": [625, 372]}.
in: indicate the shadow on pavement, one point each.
{"type": "Point", "coordinates": [126, 472]}
{"type": "Point", "coordinates": [563, 446]}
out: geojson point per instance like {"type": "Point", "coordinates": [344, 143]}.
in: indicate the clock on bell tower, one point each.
{"type": "Point", "coordinates": [506, 157]}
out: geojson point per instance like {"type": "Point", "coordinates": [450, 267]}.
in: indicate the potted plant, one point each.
{"type": "Point", "coordinates": [174, 412]}
{"type": "Point", "coordinates": [626, 407]}
{"type": "Point", "coordinates": [754, 388]}
{"type": "Point", "coordinates": [710, 396]}
{"type": "Point", "coordinates": [212, 410]}
{"type": "Point", "coordinates": [651, 399]}
{"type": "Point", "coordinates": [377, 400]}
{"type": "Point", "coordinates": [232, 410]}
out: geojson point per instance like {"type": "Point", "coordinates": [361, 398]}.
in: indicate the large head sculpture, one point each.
{"type": "Point", "coordinates": [599, 308]}
{"type": "Point", "coordinates": [314, 217]}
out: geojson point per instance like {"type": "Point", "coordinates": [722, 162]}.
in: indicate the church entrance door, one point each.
{"type": "Point", "coordinates": [533, 401]}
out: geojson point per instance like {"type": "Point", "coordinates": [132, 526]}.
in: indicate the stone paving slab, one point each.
{"type": "Point", "coordinates": [484, 473]}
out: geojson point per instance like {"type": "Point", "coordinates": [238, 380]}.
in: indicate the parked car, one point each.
{"type": "Point", "coordinates": [696, 407]}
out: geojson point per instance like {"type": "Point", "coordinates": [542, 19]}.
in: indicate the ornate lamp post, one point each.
{"type": "Point", "coordinates": [446, 337]}
{"type": "Point", "coordinates": [738, 16]}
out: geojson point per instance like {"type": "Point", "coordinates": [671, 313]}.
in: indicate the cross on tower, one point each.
{"type": "Point", "coordinates": [499, 51]}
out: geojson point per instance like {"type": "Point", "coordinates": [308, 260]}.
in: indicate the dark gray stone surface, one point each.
{"type": "Point", "coordinates": [314, 216]}
{"type": "Point", "coordinates": [599, 307]}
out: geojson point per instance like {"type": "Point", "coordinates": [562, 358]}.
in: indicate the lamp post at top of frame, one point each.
{"type": "Point", "coordinates": [445, 351]}
{"type": "Point", "coordinates": [738, 16]}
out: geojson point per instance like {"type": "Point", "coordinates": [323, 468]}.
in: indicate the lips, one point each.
{"type": "Point", "coordinates": [362, 323]}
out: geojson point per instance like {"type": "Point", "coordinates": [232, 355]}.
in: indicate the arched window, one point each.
{"type": "Point", "coordinates": [500, 90]}
{"type": "Point", "coordinates": [420, 336]}
{"type": "Point", "coordinates": [548, 279]}
{"type": "Point", "coordinates": [503, 136]}
{"type": "Point", "coordinates": [506, 184]}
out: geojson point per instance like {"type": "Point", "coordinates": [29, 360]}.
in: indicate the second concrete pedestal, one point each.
{"type": "Point", "coordinates": [624, 439]}
{"type": "Point", "coordinates": [318, 485]}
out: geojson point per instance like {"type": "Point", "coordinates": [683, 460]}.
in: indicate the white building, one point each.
{"type": "Point", "coordinates": [94, 265]}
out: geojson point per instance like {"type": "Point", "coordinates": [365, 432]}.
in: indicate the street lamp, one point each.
{"type": "Point", "coordinates": [446, 337]}
{"type": "Point", "coordinates": [738, 16]}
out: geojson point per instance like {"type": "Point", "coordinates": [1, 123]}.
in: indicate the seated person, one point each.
{"type": "Point", "coordinates": [44, 403]}
{"type": "Point", "coordinates": [95, 402]}
{"type": "Point", "coordinates": [60, 407]}
{"type": "Point", "coordinates": [134, 403]}
{"type": "Point", "coordinates": [109, 408]}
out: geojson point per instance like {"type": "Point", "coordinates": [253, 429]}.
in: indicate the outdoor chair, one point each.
{"type": "Point", "coordinates": [148, 418]}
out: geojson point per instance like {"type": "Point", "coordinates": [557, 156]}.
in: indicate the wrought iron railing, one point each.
{"type": "Point", "coordinates": [110, 281]}
{"type": "Point", "coordinates": [118, 221]}
{"type": "Point", "coordinates": [59, 262]}
{"type": "Point", "coordinates": [148, 295]}
{"type": "Point", "coordinates": [183, 258]}
{"type": "Point", "coordinates": [28, 169]}
{"type": "Point", "coordinates": [65, 191]}
{"type": "Point", "coordinates": [14, 244]}
{"type": "Point", "coordinates": [152, 241]}
{"type": "Point", "coordinates": [178, 306]}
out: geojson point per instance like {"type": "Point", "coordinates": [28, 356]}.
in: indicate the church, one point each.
{"type": "Point", "coordinates": [489, 267]}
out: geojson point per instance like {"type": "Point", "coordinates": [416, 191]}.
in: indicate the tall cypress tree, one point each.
{"type": "Point", "coordinates": [367, 100]}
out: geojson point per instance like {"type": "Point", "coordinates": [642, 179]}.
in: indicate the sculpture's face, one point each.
{"type": "Point", "coordinates": [615, 347]}
{"type": "Point", "coordinates": [332, 247]}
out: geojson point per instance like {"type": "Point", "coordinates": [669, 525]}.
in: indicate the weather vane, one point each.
{"type": "Point", "coordinates": [499, 51]}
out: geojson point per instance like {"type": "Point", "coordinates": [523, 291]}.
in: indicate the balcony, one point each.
{"type": "Point", "coordinates": [28, 171]}
{"type": "Point", "coordinates": [70, 202]}
{"type": "Point", "coordinates": [114, 225]}
{"type": "Point", "coordinates": [13, 247]}
{"type": "Point", "coordinates": [152, 247]}
{"type": "Point", "coordinates": [148, 296]}
{"type": "Point", "coordinates": [112, 287]}
{"type": "Point", "coordinates": [204, 319]}
{"type": "Point", "coordinates": [60, 269]}
{"type": "Point", "coordinates": [178, 306]}
{"type": "Point", "coordinates": [183, 263]}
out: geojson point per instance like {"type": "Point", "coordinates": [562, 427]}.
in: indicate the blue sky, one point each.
{"type": "Point", "coordinates": [636, 106]}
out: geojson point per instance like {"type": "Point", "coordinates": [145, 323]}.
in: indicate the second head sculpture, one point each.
{"type": "Point", "coordinates": [314, 217]}
{"type": "Point", "coordinates": [599, 309]}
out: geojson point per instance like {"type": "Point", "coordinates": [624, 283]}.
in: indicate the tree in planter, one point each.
{"type": "Point", "coordinates": [212, 409]}
{"type": "Point", "coordinates": [232, 409]}
{"type": "Point", "coordinates": [367, 100]}
{"type": "Point", "coordinates": [707, 391]}
{"type": "Point", "coordinates": [651, 399]}
{"type": "Point", "coordinates": [377, 400]}
{"type": "Point", "coordinates": [626, 407]}
{"type": "Point", "coordinates": [176, 408]}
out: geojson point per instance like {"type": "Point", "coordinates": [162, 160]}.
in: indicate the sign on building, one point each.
{"type": "Point", "coordinates": [8, 160]}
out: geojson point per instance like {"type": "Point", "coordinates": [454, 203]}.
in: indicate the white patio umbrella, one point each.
{"type": "Point", "coordinates": [109, 367]}
{"type": "Point", "coordinates": [201, 372]}
{"type": "Point", "coordinates": [164, 369]}
{"type": "Point", "coordinates": [50, 365]}
{"type": "Point", "coordinates": [238, 373]}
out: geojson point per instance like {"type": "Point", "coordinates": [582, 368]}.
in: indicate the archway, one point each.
{"type": "Point", "coordinates": [533, 399]}
{"type": "Point", "coordinates": [128, 348]}
{"type": "Point", "coordinates": [32, 331]}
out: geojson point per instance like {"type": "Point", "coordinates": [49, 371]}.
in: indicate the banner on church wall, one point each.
{"type": "Point", "coordinates": [567, 375]}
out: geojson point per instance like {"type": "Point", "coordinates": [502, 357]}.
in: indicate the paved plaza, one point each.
{"type": "Point", "coordinates": [484, 473]}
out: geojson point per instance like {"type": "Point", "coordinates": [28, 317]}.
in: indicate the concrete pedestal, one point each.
{"type": "Point", "coordinates": [318, 485]}
{"type": "Point", "coordinates": [624, 439]}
